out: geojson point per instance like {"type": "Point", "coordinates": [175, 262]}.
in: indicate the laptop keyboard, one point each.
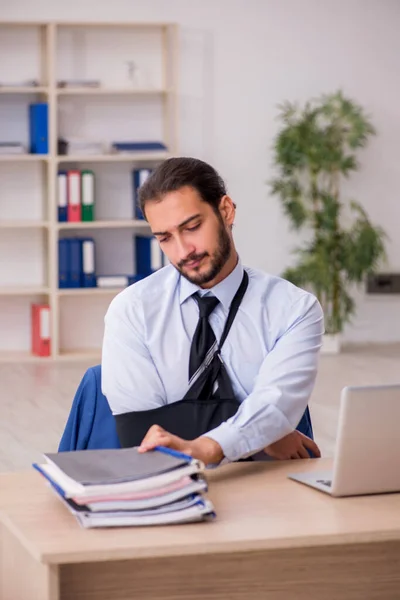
{"type": "Point", "coordinates": [327, 482]}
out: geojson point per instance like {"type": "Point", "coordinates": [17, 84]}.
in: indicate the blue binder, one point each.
{"type": "Point", "coordinates": [38, 128]}
{"type": "Point", "coordinates": [62, 196]}
{"type": "Point", "coordinates": [139, 176]}
{"type": "Point", "coordinates": [149, 257]}
{"type": "Point", "coordinates": [63, 264]}
{"type": "Point", "coordinates": [88, 263]}
{"type": "Point", "coordinates": [76, 270]}
{"type": "Point", "coordinates": [138, 146]}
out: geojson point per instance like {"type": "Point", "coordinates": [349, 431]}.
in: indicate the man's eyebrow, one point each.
{"type": "Point", "coordinates": [186, 222]}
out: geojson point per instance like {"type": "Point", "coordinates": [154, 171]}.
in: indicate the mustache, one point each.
{"type": "Point", "coordinates": [192, 258]}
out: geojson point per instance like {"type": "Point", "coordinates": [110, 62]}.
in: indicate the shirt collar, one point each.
{"type": "Point", "coordinates": [224, 291]}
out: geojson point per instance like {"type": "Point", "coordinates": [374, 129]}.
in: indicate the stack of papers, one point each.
{"type": "Point", "coordinates": [122, 487]}
{"type": "Point", "coordinates": [83, 146]}
{"type": "Point", "coordinates": [12, 148]}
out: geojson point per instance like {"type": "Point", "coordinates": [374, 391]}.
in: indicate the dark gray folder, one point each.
{"type": "Point", "coordinates": [97, 467]}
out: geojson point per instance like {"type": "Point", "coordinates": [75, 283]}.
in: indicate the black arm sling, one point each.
{"type": "Point", "coordinates": [200, 410]}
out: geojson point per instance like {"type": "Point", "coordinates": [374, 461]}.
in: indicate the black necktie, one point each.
{"type": "Point", "coordinates": [204, 337]}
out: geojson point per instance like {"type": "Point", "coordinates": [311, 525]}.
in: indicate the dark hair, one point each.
{"type": "Point", "coordinates": [175, 173]}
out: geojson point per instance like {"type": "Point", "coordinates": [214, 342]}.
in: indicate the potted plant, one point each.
{"type": "Point", "coordinates": [314, 150]}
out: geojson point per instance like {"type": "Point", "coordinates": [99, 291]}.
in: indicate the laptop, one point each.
{"type": "Point", "coordinates": [367, 456]}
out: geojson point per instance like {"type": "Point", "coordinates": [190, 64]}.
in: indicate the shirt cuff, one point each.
{"type": "Point", "coordinates": [233, 443]}
{"type": "Point", "coordinates": [240, 443]}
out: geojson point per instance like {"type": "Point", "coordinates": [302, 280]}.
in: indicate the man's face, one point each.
{"type": "Point", "coordinates": [194, 238]}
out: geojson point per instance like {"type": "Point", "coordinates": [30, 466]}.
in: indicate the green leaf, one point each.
{"type": "Point", "coordinates": [314, 150]}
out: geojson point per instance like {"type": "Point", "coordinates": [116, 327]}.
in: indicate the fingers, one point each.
{"type": "Point", "coordinates": [156, 440]}
{"type": "Point", "coordinates": [311, 445]}
{"type": "Point", "coordinates": [302, 452]}
{"type": "Point", "coordinates": [156, 436]}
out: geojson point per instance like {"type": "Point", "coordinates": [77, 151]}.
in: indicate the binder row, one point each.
{"type": "Point", "coordinates": [77, 263]}
{"type": "Point", "coordinates": [75, 196]}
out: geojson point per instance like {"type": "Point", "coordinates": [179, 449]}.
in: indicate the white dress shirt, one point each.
{"type": "Point", "coordinates": [271, 353]}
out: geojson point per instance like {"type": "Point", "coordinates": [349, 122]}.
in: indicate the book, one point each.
{"type": "Point", "coordinates": [74, 208]}
{"type": "Point", "coordinates": [201, 510]}
{"type": "Point", "coordinates": [88, 263]}
{"type": "Point", "coordinates": [87, 195]}
{"type": "Point", "coordinates": [64, 264]}
{"type": "Point", "coordinates": [86, 83]}
{"type": "Point", "coordinates": [62, 196]}
{"type": "Point", "coordinates": [148, 254]}
{"type": "Point", "coordinates": [127, 147]}
{"type": "Point", "coordinates": [40, 327]}
{"type": "Point", "coordinates": [105, 467]}
{"type": "Point", "coordinates": [22, 83]}
{"type": "Point", "coordinates": [12, 148]}
{"type": "Point", "coordinates": [38, 128]}
{"type": "Point", "coordinates": [115, 281]}
{"type": "Point", "coordinates": [148, 499]}
{"type": "Point", "coordinates": [123, 487]}
{"type": "Point", "coordinates": [139, 176]}
{"type": "Point", "coordinates": [76, 262]}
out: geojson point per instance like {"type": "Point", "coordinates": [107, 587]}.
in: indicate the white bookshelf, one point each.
{"type": "Point", "coordinates": [119, 110]}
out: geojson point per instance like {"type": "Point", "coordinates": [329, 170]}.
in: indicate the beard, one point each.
{"type": "Point", "coordinates": [218, 260]}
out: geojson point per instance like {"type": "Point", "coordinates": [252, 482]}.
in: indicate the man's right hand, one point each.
{"type": "Point", "coordinates": [293, 445]}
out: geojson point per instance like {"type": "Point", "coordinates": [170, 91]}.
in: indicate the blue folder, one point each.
{"type": "Point", "coordinates": [63, 264]}
{"type": "Point", "coordinates": [138, 146]}
{"type": "Point", "coordinates": [144, 265]}
{"type": "Point", "coordinates": [76, 271]}
{"type": "Point", "coordinates": [88, 278]}
{"type": "Point", "coordinates": [138, 178]}
{"type": "Point", "coordinates": [62, 210]}
{"type": "Point", "coordinates": [38, 128]}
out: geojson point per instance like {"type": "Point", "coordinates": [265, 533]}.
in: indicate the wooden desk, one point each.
{"type": "Point", "coordinates": [273, 539]}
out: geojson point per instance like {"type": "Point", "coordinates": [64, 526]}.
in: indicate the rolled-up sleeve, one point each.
{"type": "Point", "coordinates": [282, 388]}
{"type": "Point", "coordinates": [130, 380]}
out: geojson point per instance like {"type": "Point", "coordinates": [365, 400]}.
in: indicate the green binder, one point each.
{"type": "Point", "coordinates": [87, 195]}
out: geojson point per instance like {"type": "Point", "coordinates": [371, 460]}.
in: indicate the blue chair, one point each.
{"type": "Point", "coordinates": [90, 425]}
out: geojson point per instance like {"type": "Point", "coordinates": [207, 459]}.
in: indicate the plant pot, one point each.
{"type": "Point", "coordinates": [331, 343]}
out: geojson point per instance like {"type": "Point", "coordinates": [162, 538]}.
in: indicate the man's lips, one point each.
{"type": "Point", "coordinates": [194, 263]}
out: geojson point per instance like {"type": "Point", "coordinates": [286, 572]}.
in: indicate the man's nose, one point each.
{"type": "Point", "coordinates": [184, 249]}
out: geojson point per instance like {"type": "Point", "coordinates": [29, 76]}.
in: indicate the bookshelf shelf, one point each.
{"type": "Point", "coordinates": [24, 224]}
{"type": "Point", "coordinates": [124, 224]}
{"type": "Point", "coordinates": [89, 291]}
{"type": "Point", "coordinates": [132, 157]}
{"type": "Point", "coordinates": [75, 52]}
{"type": "Point", "coordinates": [24, 90]}
{"type": "Point", "coordinates": [103, 91]}
{"type": "Point", "coordinates": [23, 157]}
{"type": "Point", "coordinates": [24, 291]}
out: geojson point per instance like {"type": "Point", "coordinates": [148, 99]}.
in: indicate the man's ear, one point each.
{"type": "Point", "coordinates": [227, 209]}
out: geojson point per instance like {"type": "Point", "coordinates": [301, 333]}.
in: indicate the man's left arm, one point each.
{"type": "Point", "coordinates": [280, 396]}
{"type": "Point", "coordinates": [282, 388]}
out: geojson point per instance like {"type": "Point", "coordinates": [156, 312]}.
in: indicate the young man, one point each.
{"type": "Point", "coordinates": [170, 373]}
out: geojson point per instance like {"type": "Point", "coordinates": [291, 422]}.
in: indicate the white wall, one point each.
{"type": "Point", "coordinates": [239, 60]}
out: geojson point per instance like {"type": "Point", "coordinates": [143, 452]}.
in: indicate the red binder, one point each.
{"type": "Point", "coordinates": [74, 210]}
{"type": "Point", "coordinates": [41, 341]}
